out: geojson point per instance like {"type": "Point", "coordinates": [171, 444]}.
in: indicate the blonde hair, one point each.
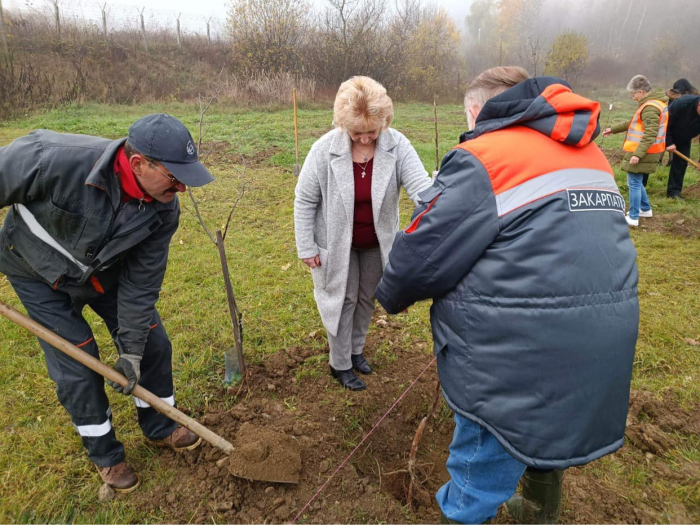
{"type": "Point", "coordinates": [493, 82]}
{"type": "Point", "coordinates": [362, 105]}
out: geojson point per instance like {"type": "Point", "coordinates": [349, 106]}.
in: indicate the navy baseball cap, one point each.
{"type": "Point", "coordinates": [165, 139]}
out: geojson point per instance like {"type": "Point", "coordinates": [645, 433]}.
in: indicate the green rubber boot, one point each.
{"type": "Point", "coordinates": [541, 497]}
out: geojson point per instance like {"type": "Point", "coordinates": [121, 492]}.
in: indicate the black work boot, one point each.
{"type": "Point", "coordinates": [348, 379]}
{"type": "Point", "coordinates": [541, 497]}
{"type": "Point", "coordinates": [360, 364]}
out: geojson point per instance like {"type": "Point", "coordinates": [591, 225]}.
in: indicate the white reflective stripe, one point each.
{"type": "Point", "coordinates": [140, 403]}
{"type": "Point", "coordinates": [94, 430]}
{"type": "Point", "coordinates": [550, 183]}
{"type": "Point", "coordinates": [38, 230]}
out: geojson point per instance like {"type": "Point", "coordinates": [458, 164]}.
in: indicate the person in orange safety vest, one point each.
{"type": "Point", "coordinates": [644, 144]}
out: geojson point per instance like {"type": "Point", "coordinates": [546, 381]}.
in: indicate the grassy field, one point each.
{"type": "Point", "coordinates": [44, 474]}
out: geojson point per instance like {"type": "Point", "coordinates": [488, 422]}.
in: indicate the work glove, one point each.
{"type": "Point", "coordinates": [128, 364]}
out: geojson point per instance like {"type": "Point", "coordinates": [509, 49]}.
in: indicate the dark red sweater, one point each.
{"type": "Point", "coordinates": [363, 235]}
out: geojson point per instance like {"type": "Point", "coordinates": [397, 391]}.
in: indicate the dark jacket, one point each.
{"type": "Point", "coordinates": [683, 120]}
{"type": "Point", "coordinates": [648, 162]}
{"type": "Point", "coordinates": [523, 245]}
{"type": "Point", "coordinates": [68, 184]}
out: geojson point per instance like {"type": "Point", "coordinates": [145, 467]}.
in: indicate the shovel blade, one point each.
{"type": "Point", "coordinates": [297, 170]}
{"type": "Point", "coordinates": [263, 455]}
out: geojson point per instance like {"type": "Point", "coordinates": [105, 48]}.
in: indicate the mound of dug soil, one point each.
{"type": "Point", "coordinates": [292, 394]}
{"type": "Point", "coordinates": [265, 455]}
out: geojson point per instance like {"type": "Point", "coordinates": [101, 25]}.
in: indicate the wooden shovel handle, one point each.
{"type": "Point", "coordinates": [98, 366]}
{"type": "Point", "coordinates": [689, 161]}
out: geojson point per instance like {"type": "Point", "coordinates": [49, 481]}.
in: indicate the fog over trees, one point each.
{"type": "Point", "coordinates": [623, 37]}
{"type": "Point", "coordinates": [266, 47]}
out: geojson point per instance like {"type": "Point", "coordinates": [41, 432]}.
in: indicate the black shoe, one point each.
{"type": "Point", "coordinates": [348, 379]}
{"type": "Point", "coordinates": [360, 364]}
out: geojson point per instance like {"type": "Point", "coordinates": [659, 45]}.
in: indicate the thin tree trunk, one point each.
{"type": "Point", "coordinates": [234, 363]}
{"type": "Point", "coordinates": [3, 38]}
{"type": "Point", "coordinates": [641, 21]}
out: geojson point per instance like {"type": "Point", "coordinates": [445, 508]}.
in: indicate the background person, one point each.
{"type": "Point", "coordinates": [521, 243]}
{"type": "Point", "coordinates": [644, 144]}
{"type": "Point", "coordinates": [683, 127]}
{"type": "Point", "coordinates": [346, 213]}
{"type": "Point", "coordinates": [90, 223]}
{"type": "Point", "coordinates": [681, 87]}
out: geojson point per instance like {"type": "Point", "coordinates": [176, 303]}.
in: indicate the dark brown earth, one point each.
{"type": "Point", "coordinates": [675, 224]}
{"type": "Point", "coordinates": [292, 393]}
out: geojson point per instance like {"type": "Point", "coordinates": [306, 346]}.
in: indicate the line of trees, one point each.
{"type": "Point", "coordinates": [416, 50]}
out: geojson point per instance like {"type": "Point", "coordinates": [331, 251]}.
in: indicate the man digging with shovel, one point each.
{"type": "Point", "coordinates": [90, 223]}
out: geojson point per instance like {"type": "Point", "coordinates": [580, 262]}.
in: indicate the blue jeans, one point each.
{"type": "Point", "coordinates": [638, 195]}
{"type": "Point", "coordinates": [483, 474]}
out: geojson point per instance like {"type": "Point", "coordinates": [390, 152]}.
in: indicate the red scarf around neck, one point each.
{"type": "Point", "coordinates": [130, 189]}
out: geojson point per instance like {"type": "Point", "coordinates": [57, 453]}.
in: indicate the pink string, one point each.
{"type": "Point", "coordinates": [363, 440]}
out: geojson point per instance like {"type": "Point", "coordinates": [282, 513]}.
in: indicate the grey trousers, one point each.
{"type": "Point", "coordinates": [358, 307]}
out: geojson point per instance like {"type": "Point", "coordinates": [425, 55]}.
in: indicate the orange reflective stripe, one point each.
{"type": "Point", "coordinates": [567, 103]}
{"type": "Point", "coordinates": [86, 342]}
{"type": "Point", "coordinates": [635, 132]}
{"type": "Point", "coordinates": [562, 127]}
{"type": "Point", "coordinates": [519, 165]}
{"type": "Point", "coordinates": [416, 221]}
{"type": "Point", "coordinates": [152, 327]}
{"type": "Point", "coordinates": [96, 285]}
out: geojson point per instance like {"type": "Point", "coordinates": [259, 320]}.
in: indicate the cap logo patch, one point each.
{"type": "Point", "coordinates": [190, 148]}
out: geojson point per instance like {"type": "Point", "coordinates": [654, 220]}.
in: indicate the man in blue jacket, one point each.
{"type": "Point", "coordinates": [523, 246]}
{"type": "Point", "coordinates": [90, 223]}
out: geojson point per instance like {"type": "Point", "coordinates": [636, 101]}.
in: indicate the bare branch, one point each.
{"type": "Point", "coordinates": [241, 192]}
{"type": "Point", "coordinates": [199, 216]}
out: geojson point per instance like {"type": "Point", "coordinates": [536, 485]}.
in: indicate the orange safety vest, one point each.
{"type": "Point", "coordinates": [636, 130]}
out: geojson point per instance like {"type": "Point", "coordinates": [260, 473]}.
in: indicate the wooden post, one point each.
{"type": "Point", "coordinates": [459, 86]}
{"type": "Point", "coordinates": [143, 30]}
{"type": "Point", "coordinates": [3, 38]}
{"type": "Point", "coordinates": [231, 358]}
{"type": "Point", "coordinates": [297, 168]}
{"type": "Point", "coordinates": [104, 20]}
{"type": "Point", "coordinates": [208, 32]}
{"type": "Point", "coordinates": [57, 15]}
{"type": "Point", "coordinates": [437, 149]}
{"type": "Point", "coordinates": [179, 36]}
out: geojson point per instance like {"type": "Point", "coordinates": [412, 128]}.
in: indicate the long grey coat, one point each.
{"type": "Point", "coordinates": [325, 203]}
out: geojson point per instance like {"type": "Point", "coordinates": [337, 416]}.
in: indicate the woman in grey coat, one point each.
{"type": "Point", "coordinates": [346, 214]}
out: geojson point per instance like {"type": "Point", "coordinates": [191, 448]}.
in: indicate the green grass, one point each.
{"type": "Point", "coordinates": [44, 475]}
